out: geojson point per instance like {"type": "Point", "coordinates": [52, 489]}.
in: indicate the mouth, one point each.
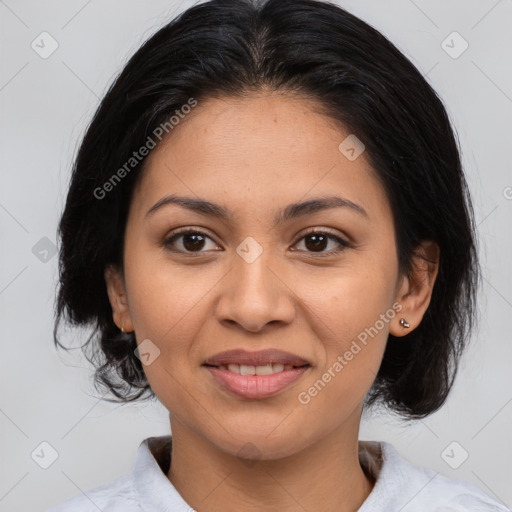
{"type": "Point", "coordinates": [269, 357]}
{"type": "Point", "coordinates": [267, 369]}
{"type": "Point", "coordinates": [255, 375]}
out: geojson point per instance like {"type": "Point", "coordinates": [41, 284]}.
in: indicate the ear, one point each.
{"type": "Point", "coordinates": [415, 290]}
{"type": "Point", "coordinates": [118, 300]}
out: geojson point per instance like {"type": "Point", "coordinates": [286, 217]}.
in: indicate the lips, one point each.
{"type": "Point", "coordinates": [260, 358]}
{"type": "Point", "coordinates": [255, 375]}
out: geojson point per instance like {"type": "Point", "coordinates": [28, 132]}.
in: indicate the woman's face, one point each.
{"type": "Point", "coordinates": [255, 279]}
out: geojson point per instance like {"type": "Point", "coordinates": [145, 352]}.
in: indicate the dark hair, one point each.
{"type": "Point", "coordinates": [357, 76]}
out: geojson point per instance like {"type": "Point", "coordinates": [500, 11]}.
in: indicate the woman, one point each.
{"type": "Point", "coordinates": [269, 225]}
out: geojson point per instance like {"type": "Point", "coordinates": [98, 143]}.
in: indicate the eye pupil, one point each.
{"type": "Point", "coordinates": [318, 241]}
{"type": "Point", "coordinates": [198, 241]}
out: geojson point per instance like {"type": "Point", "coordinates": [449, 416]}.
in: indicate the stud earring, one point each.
{"type": "Point", "coordinates": [403, 323]}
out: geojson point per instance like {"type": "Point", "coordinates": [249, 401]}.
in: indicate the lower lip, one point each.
{"type": "Point", "coordinates": [256, 386]}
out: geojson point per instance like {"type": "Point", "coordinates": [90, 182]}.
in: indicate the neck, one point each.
{"type": "Point", "coordinates": [326, 475]}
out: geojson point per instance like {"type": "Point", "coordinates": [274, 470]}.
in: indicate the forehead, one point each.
{"type": "Point", "coordinates": [255, 152]}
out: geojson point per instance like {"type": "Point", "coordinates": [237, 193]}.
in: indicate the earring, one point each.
{"type": "Point", "coordinates": [403, 323]}
{"type": "Point", "coordinates": [122, 327]}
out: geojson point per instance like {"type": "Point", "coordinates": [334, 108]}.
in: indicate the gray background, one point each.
{"type": "Point", "coordinates": [45, 106]}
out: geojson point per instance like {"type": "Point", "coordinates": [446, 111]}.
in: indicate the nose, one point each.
{"type": "Point", "coordinates": [254, 295]}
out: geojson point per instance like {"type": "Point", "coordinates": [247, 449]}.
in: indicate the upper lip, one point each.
{"type": "Point", "coordinates": [259, 358]}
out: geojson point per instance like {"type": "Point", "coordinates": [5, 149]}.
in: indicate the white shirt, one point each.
{"type": "Point", "coordinates": [400, 486]}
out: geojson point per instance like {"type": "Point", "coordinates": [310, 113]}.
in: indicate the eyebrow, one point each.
{"type": "Point", "coordinates": [292, 211]}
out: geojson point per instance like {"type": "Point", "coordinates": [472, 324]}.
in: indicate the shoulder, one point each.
{"type": "Point", "coordinates": [146, 488]}
{"type": "Point", "coordinates": [454, 495]}
{"type": "Point", "coordinates": [116, 496]}
{"type": "Point", "coordinates": [411, 488]}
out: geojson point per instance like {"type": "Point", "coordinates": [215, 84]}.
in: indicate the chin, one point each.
{"type": "Point", "coordinates": [262, 444]}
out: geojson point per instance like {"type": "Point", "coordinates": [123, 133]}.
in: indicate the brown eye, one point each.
{"type": "Point", "coordinates": [190, 241]}
{"type": "Point", "coordinates": [317, 241]}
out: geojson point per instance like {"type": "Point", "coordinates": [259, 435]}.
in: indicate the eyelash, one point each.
{"type": "Point", "coordinates": [168, 242]}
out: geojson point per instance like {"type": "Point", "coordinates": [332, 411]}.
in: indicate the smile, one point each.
{"type": "Point", "coordinates": [255, 375]}
{"type": "Point", "coordinates": [267, 369]}
{"type": "Point", "coordinates": [255, 386]}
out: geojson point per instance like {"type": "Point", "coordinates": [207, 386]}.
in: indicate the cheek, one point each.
{"type": "Point", "coordinates": [163, 297]}
{"type": "Point", "coordinates": [350, 313]}
{"type": "Point", "coordinates": [345, 302]}
{"type": "Point", "coordinates": [353, 338]}
{"type": "Point", "coordinates": [166, 307]}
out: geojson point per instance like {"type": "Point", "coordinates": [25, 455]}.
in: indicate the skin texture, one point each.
{"type": "Point", "coordinates": [254, 156]}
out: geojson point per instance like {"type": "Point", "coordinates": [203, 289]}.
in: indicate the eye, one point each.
{"type": "Point", "coordinates": [316, 241]}
{"type": "Point", "coordinates": [190, 241]}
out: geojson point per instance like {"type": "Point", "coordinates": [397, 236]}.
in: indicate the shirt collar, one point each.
{"type": "Point", "coordinates": [154, 489]}
{"type": "Point", "coordinates": [156, 492]}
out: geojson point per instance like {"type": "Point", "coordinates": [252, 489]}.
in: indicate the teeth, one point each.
{"type": "Point", "coordinates": [267, 369]}
{"type": "Point", "coordinates": [264, 370]}
{"type": "Point", "coordinates": [247, 370]}
{"type": "Point", "coordinates": [235, 368]}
